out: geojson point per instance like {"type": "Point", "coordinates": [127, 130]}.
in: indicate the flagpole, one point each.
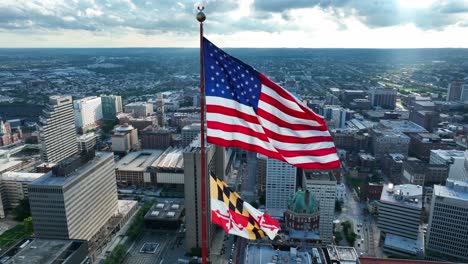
{"type": "Point", "coordinates": [201, 17]}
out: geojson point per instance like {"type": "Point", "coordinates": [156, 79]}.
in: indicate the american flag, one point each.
{"type": "Point", "coordinates": [247, 110]}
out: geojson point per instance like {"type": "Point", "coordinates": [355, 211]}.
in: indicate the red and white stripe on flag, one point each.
{"type": "Point", "coordinates": [245, 109]}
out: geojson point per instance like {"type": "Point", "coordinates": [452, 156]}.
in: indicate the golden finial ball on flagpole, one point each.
{"type": "Point", "coordinates": [201, 16]}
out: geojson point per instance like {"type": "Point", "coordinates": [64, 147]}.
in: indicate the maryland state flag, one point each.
{"type": "Point", "coordinates": [237, 217]}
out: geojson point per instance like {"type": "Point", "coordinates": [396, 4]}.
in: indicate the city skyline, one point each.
{"type": "Point", "coordinates": [246, 23]}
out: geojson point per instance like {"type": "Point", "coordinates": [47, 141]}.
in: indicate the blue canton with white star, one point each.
{"type": "Point", "coordinates": [228, 77]}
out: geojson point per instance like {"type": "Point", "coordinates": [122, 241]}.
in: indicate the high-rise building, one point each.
{"type": "Point", "coordinates": [192, 189]}
{"type": "Point", "coordinates": [383, 97]}
{"type": "Point", "coordinates": [400, 209]}
{"type": "Point", "coordinates": [86, 142]}
{"type": "Point", "coordinates": [322, 184]}
{"type": "Point", "coordinates": [57, 130]}
{"type": "Point", "coordinates": [454, 91]}
{"type": "Point", "coordinates": [447, 238]}
{"type": "Point", "coordinates": [335, 116]}
{"type": "Point", "coordinates": [88, 113]}
{"type": "Point", "coordinates": [453, 158]}
{"type": "Point", "coordinates": [280, 186]}
{"type": "Point", "coordinates": [76, 199]}
{"type": "Point", "coordinates": [464, 93]}
{"type": "Point", "coordinates": [111, 106]}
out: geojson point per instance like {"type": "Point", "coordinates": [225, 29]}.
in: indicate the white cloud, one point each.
{"type": "Point", "coordinates": [231, 23]}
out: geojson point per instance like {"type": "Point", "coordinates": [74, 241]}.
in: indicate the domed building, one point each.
{"type": "Point", "coordinates": [303, 211]}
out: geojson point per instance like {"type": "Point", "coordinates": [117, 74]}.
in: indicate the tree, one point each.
{"type": "Point", "coordinates": [262, 199]}
{"type": "Point", "coordinates": [28, 225]}
{"type": "Point", "coordinates": [22, 211]}
{"type": "Point", "coordinates": [338, 237]}
{"type": "Point", "coordinates": [254, 204]}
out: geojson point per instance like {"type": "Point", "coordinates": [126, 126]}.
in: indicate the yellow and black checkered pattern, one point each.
{"type": "Point", "coordinates": [222, 192]}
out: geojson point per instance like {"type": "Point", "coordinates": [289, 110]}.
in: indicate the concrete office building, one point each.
{"type": "Point", "coordinates": [454, 91]}
{"type": "Point", "coordinates": [421, 144]}
{"type": "Point", "coordinates": [447, 238]}
{"type": "Point", "coordinates": [335, 116]}
{"type": "Point", "coordinates": [87, 141]}
{"type": "Point", "coordinates": [125, 139]}
{"type": "Point", "coordinates": [14, 188]}
{"type": "Point", "coordinates": [88, 113]}
{"type": "Point", "coordinates": [418, 172]}
{"type": "Point", "coordinates": [76, 199]}
{"type": "Point", "coordinates": [216, 163]}
{"type": "Point", "coordinates": [280, 186]}
{"type": "Point", "coordinates": [57, 130]}
{"type": "Point", "coordinates": [139, 109]}
{"type": "Point", "coordinates": [135, 168]}
{"type": "Point", "coordinates": [464, 93]}
{"type": "Point", "coordinates": [189, 133]}
{"type": "Point", "coordinates": [384, 141]}
{"type": "Point", "coordinates": [322, 184]}
{"type": "Point", "coordinates": [383, 97]}
{"type": "Point", "coordinates": [400, 209]}
{"type": "Point", "coordinates": [155, 137]}
{"type": "Point", "coordinates": [111, 106]}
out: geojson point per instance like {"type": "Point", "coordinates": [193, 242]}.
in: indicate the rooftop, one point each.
{"type": "Point", "coordinates": [397, 157]}
{"type": "Point", "coordinates": [410, 246]}
{"type": "Point", "coordinates": [125, 206]}
{"type": "Point", "coordinates": [408, 195]}
{"type": "Point", "coordinates": [265, 254]}
{"type": "Point", "coordinates": [403, 126]}
{"type": "Point", "coordinates": [87, 136]}
{"type": "Point", "coordinates": [20, 176]}
{"type": "Point", "coordinates": [137, 104]}
{"type": "Point", "coordinates": [194, 126]}
{"type": "Point", "coordinates": [312, 175]}
{"type": "Point", "coordinates": [345, 255]}
{"type": "Point", "coordinates": [138, 161]}
{"type": "Point", "coordinates": [447, 154]}
{"type": "Point", "coordinates": [303, 202]}
{"type": "Point", "coordinates": [6, 164]}
{"type": "Point", "coordinates": [390, 134]}
{"type": "Point", "coordinates": [42, 250]}
{"type": "Point", "coordinates": [366, 156]}
{"type": "Point", "coordinates": [171, 158]}
{"type": "Point", "coordinates": [51, 180]}
{"type": "Point", "coordinates": [454, 189]}
{"type": "Point", "coordinates": [169, 210]}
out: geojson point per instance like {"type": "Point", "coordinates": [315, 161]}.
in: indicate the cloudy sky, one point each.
{"type": "Point", "coordinates": [235, 23]}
